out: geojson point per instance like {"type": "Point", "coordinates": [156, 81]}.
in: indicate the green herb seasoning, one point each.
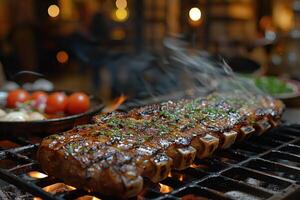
{"type": "Point", "coordinates": [163, 129]}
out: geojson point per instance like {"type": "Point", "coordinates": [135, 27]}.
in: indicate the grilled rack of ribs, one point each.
{"type": "Point", "coordinates": [114, 153]}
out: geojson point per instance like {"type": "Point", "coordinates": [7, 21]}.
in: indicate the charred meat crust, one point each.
{"type": "Point", "coordinates": [112, 155]}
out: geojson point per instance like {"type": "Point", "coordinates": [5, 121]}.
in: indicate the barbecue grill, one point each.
{"type": "Point", "coordinates": [264, 167]}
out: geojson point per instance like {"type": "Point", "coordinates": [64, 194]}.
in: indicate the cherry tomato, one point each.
{"type": "Point", "coordinates": [78, 103]}
{"type": "Point", "coordinates": [57, 102]}
{"type": "Point", "coordinates": [39, 96]}
{"type": "Point", "coordinates": [39, 100]}
{"type": "Point", "coordinates": [17, 96]}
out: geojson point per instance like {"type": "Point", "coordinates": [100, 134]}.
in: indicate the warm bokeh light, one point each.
{"type": "Point", "coordinates": [283, 17]}
{"type": "Point", "coordinates": [121, 15]}
{"type": "Point", "coordinates": [121, 4]}
{"type": "Point", "coordinates": [53, 10]}
{"type": "Point", "coordinates": [195, 14]}
{"type": "Point", "coordinates": [62, 57]}
{"type": "Point", "coordinates": [240, 11]}
{"type": "Point", "coordinates": [265, 22]}
{"type": "Point", "coordinates": [118, 34]}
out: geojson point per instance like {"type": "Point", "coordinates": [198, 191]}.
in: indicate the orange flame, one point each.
{"type": "Point", "coordinates": [37, 175]}
{"type": "Point", "coordinates": [114, 104]}
{"type": "Point", "coordinates": [88, 197]}
{"type": "Point", "coordinates": [165, 189]}
{"type": "Point", "coordinates": [181, 177]}
{"type": "Point", "coordinates": [177, 176]}
{"type": "Point", "coordinates": [198, 166]}
{"type": "Point", "coordinates": [56, 188]}
{"type": "Point", "coordinates": [194, 166]}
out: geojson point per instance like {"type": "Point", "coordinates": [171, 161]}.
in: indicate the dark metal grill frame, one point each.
{"type": "Point", "coordinates": [264, 167]}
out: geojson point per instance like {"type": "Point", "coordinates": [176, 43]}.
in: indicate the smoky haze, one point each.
{"type": "Point", "coordinates": [184, 72]}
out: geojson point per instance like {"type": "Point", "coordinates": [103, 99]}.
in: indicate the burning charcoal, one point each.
{"type": "Point", "coordinates": [11, 192]}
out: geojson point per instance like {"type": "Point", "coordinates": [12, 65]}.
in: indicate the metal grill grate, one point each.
{"type": "Point", "coordinates": [265, 167]}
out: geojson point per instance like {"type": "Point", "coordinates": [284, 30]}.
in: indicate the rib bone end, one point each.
{"type": "Point", "coordinates": [262, 126]}
{"type": "Point", "coordinates": [229, 139]}
{"type": "Point", "coordinates": [209, 145]}
{"type": "Point", "coordinates": [187, 156]}
{"type": "Point", "coordinates": [162, 166]}
{"type": "Point", "coordinates": [246, 132]}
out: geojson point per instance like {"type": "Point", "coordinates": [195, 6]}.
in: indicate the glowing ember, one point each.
{"type": "Point", "coordinates": [180, 177]}
{"type": "Point", "coordinates": [37, 175]}
{"type": "Point", "coordinates": [165, 189]}
{"type": "Point", "coordinates": [198, 166]}
{"type": "Point", "coordinates": [7, 144]}
{"type": "Point", "coordinates": [88, 197]}
{"type": "Point", "coordinates": [115, 104]}
{"type": "Point", "coordinates": [56, 188]}
{"type": "Point", "coordinates": [194, 166]}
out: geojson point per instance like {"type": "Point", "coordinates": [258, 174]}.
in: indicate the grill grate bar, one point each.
{"type": "Point", "coordinates": [266, 174]}
{"type": "Point", "coordinates": [232, 187]}
{"type": "Point", "coordinates": [286, 153]}
{"type": "Point", "coordinates": [276, 168]}
{"type": "Point", "coordinates": [217, 193]}
{"type": "Point", "coordinates": [223, 166]}
{"type": "Point", "coordinates": [248, 185]}
{"type": "Point", "coordinates": [26, 186]}
{"type": "Point", "coordinates": [291, 148]}
{"type": "Point", "coordinates": [257, 179]}
{"type": "Point", "coordinates": [258, 156]}
{"type": "Point", "coordinates": [23, 149]}
{"type": "Point", "coordinates": [22, 168]}
{"type": "Point", "coordinates": [203, 191]}
{"type": "Point", "coordinates": [279, 164]}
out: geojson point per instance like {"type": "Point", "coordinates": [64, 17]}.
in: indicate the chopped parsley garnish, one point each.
{"type": "Point", "coordinates": [163, 129]}
{"type": "Point", "coordinates": [148, 138]}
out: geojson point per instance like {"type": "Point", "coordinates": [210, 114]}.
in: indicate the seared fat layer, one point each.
{"type": "Point", "coordinates": [111, 155]}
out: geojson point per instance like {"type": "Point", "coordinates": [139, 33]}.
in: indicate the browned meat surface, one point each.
{"type": "Point", "coordinates": [112, 155]}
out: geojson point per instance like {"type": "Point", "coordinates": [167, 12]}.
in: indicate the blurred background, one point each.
{"type": "Point", "coordinates": [86, 44]}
